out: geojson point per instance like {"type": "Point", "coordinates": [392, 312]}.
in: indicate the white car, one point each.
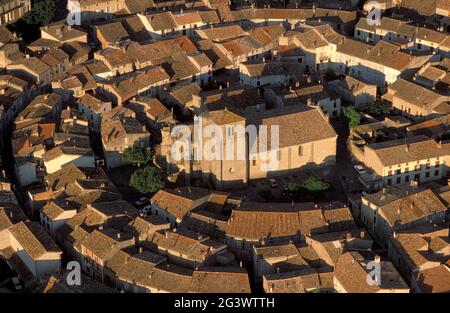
{"type": "Point", "coordinates": [359, 169]}
{"type": "Point", "coordinates": [272, 182]}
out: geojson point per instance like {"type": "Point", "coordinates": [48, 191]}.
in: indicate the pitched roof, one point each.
{"type": "Point", "coordinates": [220, 280]}
{"type": "Point", "coordinates": [412, 208]}
{"type": "Point", "coordinates": [34, 239]}
{"type": "Point", "coordinates": [178, 202]}
{"type": "Point", "coordinates": [413, 149]}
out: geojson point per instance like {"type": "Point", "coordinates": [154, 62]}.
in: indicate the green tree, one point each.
{"type": "Point", "coordinates": [137, 156]}
{"type": "Point", "coordinates": [291, 191]}
{"type": "Point", "coordinates": [352, 117]}
{"type": "Point", "coordinates": [379, 107]}
{"type": "Point", "coordinates": [316, 184]}
{"type": "Point", "coordinates": [292, 187]}
{"type": "Point", "coordinates": [42, 13]}
{"type": "Point", "coordinates": [147, 180]}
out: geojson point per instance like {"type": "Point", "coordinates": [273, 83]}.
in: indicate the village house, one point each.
{"type": "Point", "coordinates": [166, 24]}
{"type": "Point", "coordinates": [119, 133]}
{"type": "Point", "coordinates": [174, 204]}
{"type": "Point", "coordinates": [185, 248]}
{"type": "Point", "coordinates": [29, 244]}
{"type": "Point", "coordinates": [92, 11]}
{"type": "Point", "coordinates": [69, 148]}
{"type": "Point", "coordinates": [303, 281]}
{"type": "Point", "coordinates": [143, 83]}
{"type": "Point", "coordinates": [279, 223]}
{"type": "Point", "coordinates": [420, 254]}
{"type": "Point", "coordinates": [55, 213]}
{"type": "Point", "coordinates": [435, 76]}
{"type": "Point", "coordinates": [111, 35]}
{"type": "Point", "coordinates": [359, 93]}
{"type": "Point", "coordinates": [182, 95]}
{"type": "Point", "coordinates": [99, 246]}
{"type": "Point", "coordinates": [12, 10]}
{"type": "Point", "coordinates": [15, 94]}
{"type": "Point", "coordinates": [9, 53]}
{"type": "Point", "coordinates": [401, 161]}
{"type": "Point", "coordinates": [150, 111]}
{"type": "Point", "coordinates": [380, 64]}
{"type": "Point", "coordinates": [147, 272]}
{"type": "Point", "coordinates": [414, 101]}
{"type": "Point", "coordinates": [33, 68]}
{"type": "Point", "coordinates": [93, 106]}
{"type": "Point", "coordinates": [400, 208]}
{"type": "Point", "coordinates": [258, 74]}
{"type": "Point", "coordinates": [416, 38]}
{"type": "Point", "coordinates": [351, 276]}
{"type": "Point", "coordinates": [62, 33]}
{"type": "Point", "coordinates": [317, 95]}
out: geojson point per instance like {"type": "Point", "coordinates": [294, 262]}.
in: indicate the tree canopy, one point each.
{"type": "Point", "coordinates": [137, 156]}
{"type": "Point", "coordinates": [379, 107]}
{"type": "Point", "coordinates": [42, 13]}
{"type": "Point", "coordinates": [352, 117]}
{"type": "Point", "coordinates": [147, 180]}
{"type": "Point", "coordinates": [316, 184]}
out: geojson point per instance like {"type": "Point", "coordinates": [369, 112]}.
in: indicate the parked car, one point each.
{"type": "Point", "coordinates": [17, 284]}
{"type": "Point", "coordinates": [360, 169]}
{"type": "Point", "coordinates": [272, 182]}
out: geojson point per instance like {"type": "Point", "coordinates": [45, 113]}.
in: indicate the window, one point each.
{"type": "Point", "coordinates": [254, 162]}
{"type": "Point", "coordinates": [427, 174]}
{"type": "Point", "coordinates": [389, 181]}
{"type": "Point", "coordinates": [300, 150]}
{"type": "Point", "coordinates": [399, 180]}
{"type": "Point", "coordinates": [436, 173]}
{"type": "Point", "coordinates": [278, 155]}
{"type": "Point", "coordinates": [229, 131]}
